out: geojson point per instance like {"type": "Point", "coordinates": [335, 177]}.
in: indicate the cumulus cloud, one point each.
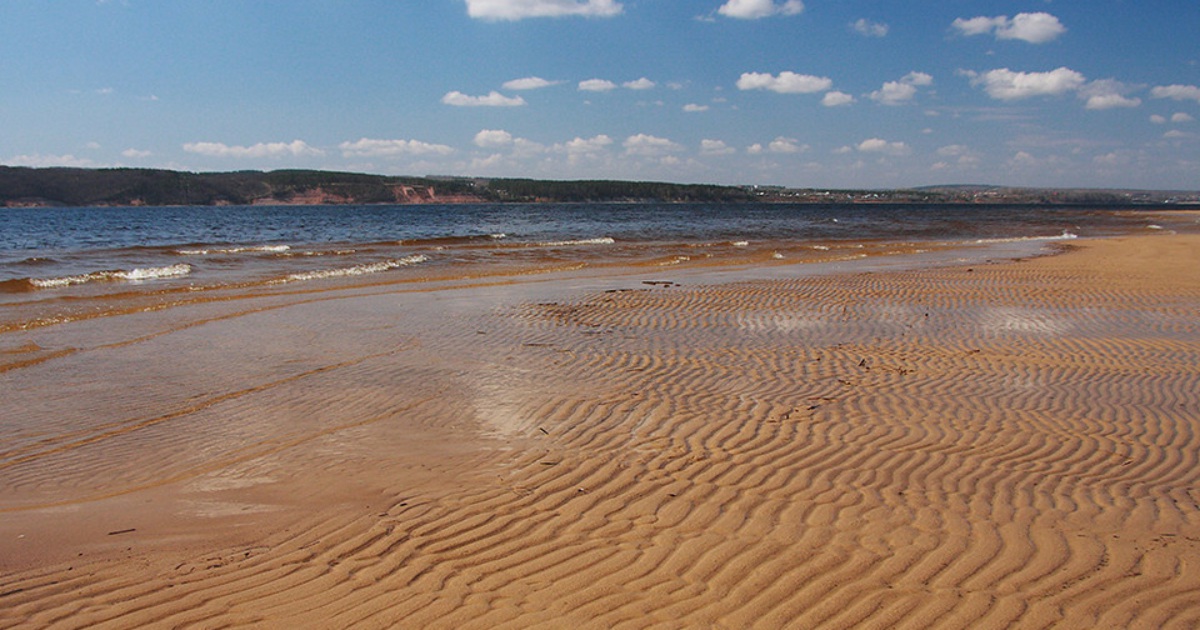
{"type": "Point", "coordinates": [497, 139]}
{"type": "Point", "coordinates": [370, 147]}
{"type": "Point", "coordinates": [836, 99]}
{"type": "Point", "coordinates": [135, 153]}
{"type": "Point", "coordinates": [641, 84]}
{"type": "Point", "coordinates": [879, 145]}
{"type": "Point", "coordinates": [1157, 119]}
{"type": "Point", "coordinates": [867, 28]}
{"type": "Point", "coordinates": [1006, 85]}
{"type": "Point", "coordinates": [1180, 117]}
{"type": "Point", "coordinates": [649, 146]}
{"type": "Point", "coordinates": [1035, 28]}
{"type": "Point", "coordinates": [1107, 94]}
{"type": "Point", "coordinates": [961, 156]}
{"type": "Point", "coordinates": [1177, 92]}
{"type": "Point", "coordinates": [693, 107]}
{"type": "Point", "coordinates": [755, 9]}
{"type": "Point", "coordinates": [584, 148]}
{"type": "Point", "coordinates": [715, 147]}
{"type": "Point", "coordinates": [493, 138]}
{"type": "Point", "coordinates": [493, 99]}
{"type": "Point", "coordinates": [497, 10]}
{"type": "Point", "coordinates": [597, 85]}
{"type": "Point", "coordinates": [528, 83]}
{"type": "Point", "coordinates": [786, 83]}
{"type": "Point", "coordinates": [902, 91]}
{"type": "Point", "coordinates": [295, 148]}
{"type": "Point", "coordinates": [786, 145]}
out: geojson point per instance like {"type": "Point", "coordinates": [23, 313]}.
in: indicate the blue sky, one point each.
{"type": "Point", "coordinates": [820, 93]}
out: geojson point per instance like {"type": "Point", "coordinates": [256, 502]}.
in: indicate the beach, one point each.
{"type": "Point", "coordinates": [973, 443]}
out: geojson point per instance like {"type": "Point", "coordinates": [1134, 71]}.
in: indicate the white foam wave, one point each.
{"type": "Point", "coordinates": [253, 249]}
{"type": "Point", "coordinates": [586, 241]}
{"type": "Point", "coordinates": [130, 275]}
{"type": "Point", "coordinates": [740, 243]}
{"type": "Point", "coordinates": [1065, 236]}
{"type": "Point", "coordinates": [357, 270]}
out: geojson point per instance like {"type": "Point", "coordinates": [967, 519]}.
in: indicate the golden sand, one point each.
{"type": "Point", "coordinates": [995, 445]}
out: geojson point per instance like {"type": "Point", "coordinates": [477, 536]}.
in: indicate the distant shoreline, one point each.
{"type": "Point", "coordinates": [23, 187]}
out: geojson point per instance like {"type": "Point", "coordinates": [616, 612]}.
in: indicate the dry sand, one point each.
{"type": "Point", "coordinates": [1000, 445]}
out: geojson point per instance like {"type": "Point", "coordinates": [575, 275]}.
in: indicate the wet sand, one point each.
{"type": "Point", "coordinates": [1011, 444]}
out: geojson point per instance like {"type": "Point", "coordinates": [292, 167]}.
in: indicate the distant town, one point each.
{"type": "Point", "coordinates": [66, 187]}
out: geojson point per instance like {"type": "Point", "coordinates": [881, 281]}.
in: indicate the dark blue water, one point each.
{"type": "Point", "coordinates": [209, 245]}
{"type": "Point", "coordinates": [70, 229]}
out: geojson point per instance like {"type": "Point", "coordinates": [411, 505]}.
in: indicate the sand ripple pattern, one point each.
{"type": "Point", "coordinates": [1010, 445]}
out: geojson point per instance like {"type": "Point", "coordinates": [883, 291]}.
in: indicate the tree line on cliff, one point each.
{"type": "Point", "coordinates": [22, 186]}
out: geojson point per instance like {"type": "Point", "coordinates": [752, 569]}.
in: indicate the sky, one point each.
{"type": "Point", "coordinates": [812, 93]}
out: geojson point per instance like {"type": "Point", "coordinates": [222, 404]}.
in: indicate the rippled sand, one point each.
{"type": "Point", "coordinates": [983, 445]}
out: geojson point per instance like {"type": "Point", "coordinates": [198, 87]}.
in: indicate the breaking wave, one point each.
{"type": "Point", "coordinates": [357, 270]}
{"type": "Point", "coordinates": [118, 275]}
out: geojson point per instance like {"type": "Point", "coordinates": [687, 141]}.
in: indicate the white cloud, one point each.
{"type": "Point", "coordinates": [755, 9]}
{"type": "Point", "coordinates": [977, 25]}
{"type": "Point", "coordinates": [693, 107]}
{"type": "Point", "coordinates": [1107, 94]}
{"type": "Point", "coordinates": [38, 160]}
{"type": "Point", "coordinates": [879, 145]}
{"type": "Point", "coordinates": [581, 148]}
{"type": "Point", "coordinates": [295, 148]}
{"type": "Point", "coordinates": [867, 28]}
{"type": "Point", "coordinates": [715, 147]}
{"type": "Point", "coordinates": [786, 145]}
{"type": "Point", "coordinates": [894, 93]}
{"type": "Point", "coordinates": [917, 78]}
{"type": "Point", "coordinates": [1158, 120]}
{"type": "Point", "coordinates": [136, 153]}
{"type": "Point", "coordinates": [1112, 159]}
{"type": "Point", "coordinates": [641, 84]}
{"type": "Point", "coordinates": [650, 146]}
{"type": "Point", "coordinates": [493, 99]}
{"type": "Point", "coordinates": [962, 154]}
{"type": "Point", "coordinates": [902, 91]}
{"type": "Point", "coordinates": [1024, 159]}
{"type": "Point", "coordinates": [786, 83]}
{"type": "Point", "coordinates": [1177, 92]}
{"type": "Point", "coordinates": [1035, 28]}
{"type": "Point", "coordinates": [528, 83]}
{"type": "Point", "coordinates": [597, 85]}
{"type": "Point", "coordinates": [497, 139]}
{"type": "Point", "coordinates": [493, 138]}
{"type": "Point", "coordinates": [836, 98]}
{"type": "Point", "coordinates": [1180, 117]}
{"type": "Point", "coordinates": [369, 147]}
{"type": "Point", "coordinates": [521, 9]}
{"type": "Point", "coordinates": [1006, 85]}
